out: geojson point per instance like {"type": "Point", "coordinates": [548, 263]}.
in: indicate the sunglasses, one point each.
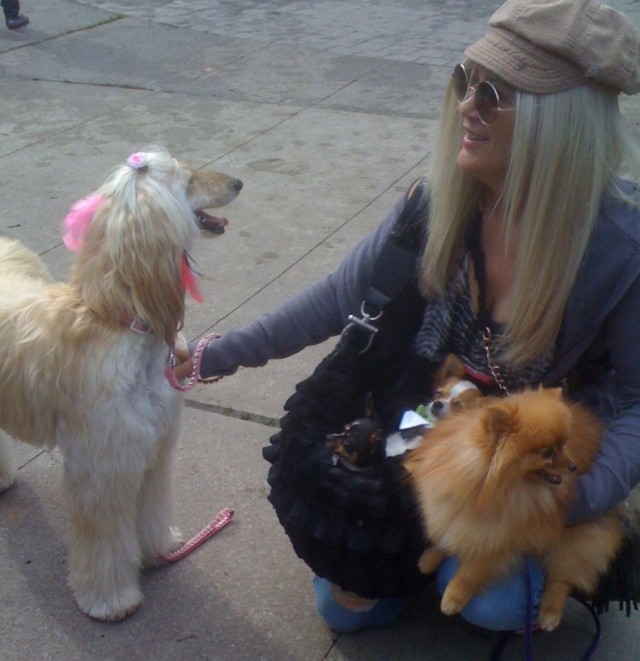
{"type": "Point", "coordinates": [486, 96]}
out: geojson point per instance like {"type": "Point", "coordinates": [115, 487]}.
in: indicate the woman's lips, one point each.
{"type": "Point", "coordinates": [472, 135]}
{"type": "Point", "coordinates": [472, 139]}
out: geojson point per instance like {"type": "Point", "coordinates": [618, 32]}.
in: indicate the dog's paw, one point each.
{"type": "Point", "coordinates": [451, 606]}
{"type": "Point", "coordinates": [430, 560]}
{"type": "Point", "coordinates": [454, 600]}
{"type": "Point", "coordinates": [7, 478]}
{"type": "Point", "coordinates": [113, 609]}
{"type": "Point", "coordinates": [155, 557]}
{"type": "Point", "coordinates": [548, 619]}
{"type": "Point", "coordinates": [8, 469]}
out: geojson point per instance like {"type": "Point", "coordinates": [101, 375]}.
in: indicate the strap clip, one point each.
{"type": "Point", "coordinates": [363, 322]}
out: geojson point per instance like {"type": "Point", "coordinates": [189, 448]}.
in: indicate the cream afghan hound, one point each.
{"type": "Point", "coordinates": [83, 367]}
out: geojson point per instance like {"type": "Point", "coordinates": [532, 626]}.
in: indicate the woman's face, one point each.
{"type": "Point", "coordinates": [486, 149]}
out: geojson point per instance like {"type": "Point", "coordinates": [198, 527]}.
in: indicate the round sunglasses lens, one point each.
{"type": "Point", "coordinates": [487, 102]}
{"type": "Point", "coordinates": [459, 82]}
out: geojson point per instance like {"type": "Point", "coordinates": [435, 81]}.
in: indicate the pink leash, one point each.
{"type": "Point", "coordinates": [222, 519]}
{"type": "Point", "coordinates": [224, 516]}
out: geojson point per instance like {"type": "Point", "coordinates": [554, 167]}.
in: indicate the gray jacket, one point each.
{"type": "Point", "coordinates": [600, 337]}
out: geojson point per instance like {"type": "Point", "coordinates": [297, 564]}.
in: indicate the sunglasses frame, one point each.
{"type": "Point", "coordinates": [486, 96]}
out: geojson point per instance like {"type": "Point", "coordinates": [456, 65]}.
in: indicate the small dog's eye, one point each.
{"type": "Point", "coordinates": [438, 393]}
{"type": "Point", "coordinates": [548, 453]}
{"type": "Point", "coordinates": [456, 405]}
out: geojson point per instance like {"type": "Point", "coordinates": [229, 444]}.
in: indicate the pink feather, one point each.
{"type": "Point", "coordinates": [77, 221]}
{"type": "Point", "coordinates": [190, 280]}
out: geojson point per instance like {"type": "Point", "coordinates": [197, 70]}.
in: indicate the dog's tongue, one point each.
{"type": "Point", "coordinates": [211, 224]}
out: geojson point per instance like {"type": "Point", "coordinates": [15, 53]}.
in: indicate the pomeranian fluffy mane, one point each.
{"type": "Point", "coordinates": [494, 483]}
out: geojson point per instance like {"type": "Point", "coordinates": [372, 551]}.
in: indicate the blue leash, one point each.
{"type": "Point", "coordinates": [596, 637]}
{"type": "Point", "coordinates": [496, 653]}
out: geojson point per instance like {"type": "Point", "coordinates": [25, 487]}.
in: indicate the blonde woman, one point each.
{"type": "Point", "coordinates": [530, 270]}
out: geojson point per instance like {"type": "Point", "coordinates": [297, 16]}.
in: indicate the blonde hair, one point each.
{"type": "Point", "coordinates": [567, 150]}
{"type": "Point", "coordinates": [130, 264]}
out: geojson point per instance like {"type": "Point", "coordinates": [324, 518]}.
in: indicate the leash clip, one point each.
{"type": "Point", "coordinates": [139, 326]}
{"type": "Point", "coordinates": [364, 323]}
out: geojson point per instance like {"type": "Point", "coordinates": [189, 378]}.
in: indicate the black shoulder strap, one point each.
{"type": "Point", "coordinates": [396, 263]}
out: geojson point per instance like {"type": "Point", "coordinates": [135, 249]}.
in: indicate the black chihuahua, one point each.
{"type": "Point", "coordinates": [361, 443]}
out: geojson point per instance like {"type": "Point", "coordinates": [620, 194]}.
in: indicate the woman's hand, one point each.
{"type": "Point", "coordinates": [184, 361]}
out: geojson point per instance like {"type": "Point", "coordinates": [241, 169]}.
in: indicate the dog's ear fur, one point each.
{"type": "Point", "coordinates": [369, 407]}
{"type": "Point", "coordinates": [498, 421]}
{"type": "Point", "coordinates": [452, 367]}
{"type": "Point", "coordinates": [131, 262]}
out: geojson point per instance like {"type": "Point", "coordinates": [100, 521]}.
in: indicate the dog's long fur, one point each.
{"type": "Point", "coordinates": [75, 376]}
{"type": "Point", "coordinates": [494, 484]}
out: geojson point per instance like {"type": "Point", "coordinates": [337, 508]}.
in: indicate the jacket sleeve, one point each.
{"type": "Point", "coordinates": [313, 315]}
{"type": "Point", "coordinates": [616, 470]}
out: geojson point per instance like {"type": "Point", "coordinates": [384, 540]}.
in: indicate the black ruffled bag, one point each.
{"type": "Point", "coordinates": [361, 529]}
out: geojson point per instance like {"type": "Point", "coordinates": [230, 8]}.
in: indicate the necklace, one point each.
{"type": "Point", "coordinates": [476, 254]}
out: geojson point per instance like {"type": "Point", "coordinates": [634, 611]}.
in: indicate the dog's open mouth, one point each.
{"type": "Point", "coordinates": [551, 478]}
{"type": "Point", "coordinates": [209, 223]}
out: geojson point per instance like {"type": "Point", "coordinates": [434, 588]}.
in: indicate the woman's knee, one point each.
{"type": "Point", "coordinates": [503, 606]}
{"type": "Point", "coordinates": [346, 612]}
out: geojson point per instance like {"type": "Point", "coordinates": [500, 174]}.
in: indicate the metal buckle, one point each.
{"type": "Point", "coordinates": [364, 323]}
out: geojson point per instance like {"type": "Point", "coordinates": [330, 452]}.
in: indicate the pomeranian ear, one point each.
{"type": "Point", "coordinates": [499, 420]}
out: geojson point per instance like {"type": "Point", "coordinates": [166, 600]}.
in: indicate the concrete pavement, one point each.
{"type": "Point", "coordinates": [325, 109]}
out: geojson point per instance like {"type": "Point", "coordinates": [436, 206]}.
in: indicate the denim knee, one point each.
{"type": "Point", "coordinates": [382, 613]}
{"type": "Point", "coordinates": [503, 605]}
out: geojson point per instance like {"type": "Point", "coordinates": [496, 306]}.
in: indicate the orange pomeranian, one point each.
{"type": "Point", "coordinates": [494, 484]}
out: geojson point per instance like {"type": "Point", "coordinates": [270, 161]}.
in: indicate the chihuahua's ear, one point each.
{"type": "Point", "coordinates": [499, 419]}
{"type": "Point", "coordinates": [452, 367]}
{"type": "Point", "coordinates": [369, 408]}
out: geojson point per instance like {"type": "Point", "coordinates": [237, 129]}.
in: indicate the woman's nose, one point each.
{"type": "Point", "coordinates": [468, 104]}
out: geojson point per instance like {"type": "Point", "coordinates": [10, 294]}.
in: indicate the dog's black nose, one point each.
{"type": "Point", "coordinates": [437, 406]}
{"type": "Point", "coordinates": [238, 185]}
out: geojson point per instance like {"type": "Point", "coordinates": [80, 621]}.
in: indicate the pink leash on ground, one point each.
{"type": "Point", "coordinates": [222, 519]}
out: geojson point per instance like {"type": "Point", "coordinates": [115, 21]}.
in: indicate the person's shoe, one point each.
{"type": "Point", "coordinates": [18, 21]}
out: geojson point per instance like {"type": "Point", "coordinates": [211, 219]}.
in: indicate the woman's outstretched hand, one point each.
{"type": "Point", "coordinates": [184, 360]}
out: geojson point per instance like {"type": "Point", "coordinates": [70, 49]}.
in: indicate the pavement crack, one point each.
{"type": "Point", "coordinates": [229, 412]}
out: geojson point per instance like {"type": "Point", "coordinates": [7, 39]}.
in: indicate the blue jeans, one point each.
{"type": "Point", "coordinates": [501, 607]}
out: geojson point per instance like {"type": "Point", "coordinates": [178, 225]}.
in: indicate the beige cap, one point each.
{"type": "Point", "coordinates": [548, 46]}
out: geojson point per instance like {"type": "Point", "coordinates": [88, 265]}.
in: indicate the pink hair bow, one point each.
{"type": "Point", "coordinates": [138, 161]}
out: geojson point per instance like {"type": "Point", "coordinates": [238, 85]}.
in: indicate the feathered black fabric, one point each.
{"type": "Point", "coordinates": [361, 529]}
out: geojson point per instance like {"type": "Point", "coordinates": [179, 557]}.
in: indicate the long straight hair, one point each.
{"type": "Point", "coordinates": [567, 150]}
